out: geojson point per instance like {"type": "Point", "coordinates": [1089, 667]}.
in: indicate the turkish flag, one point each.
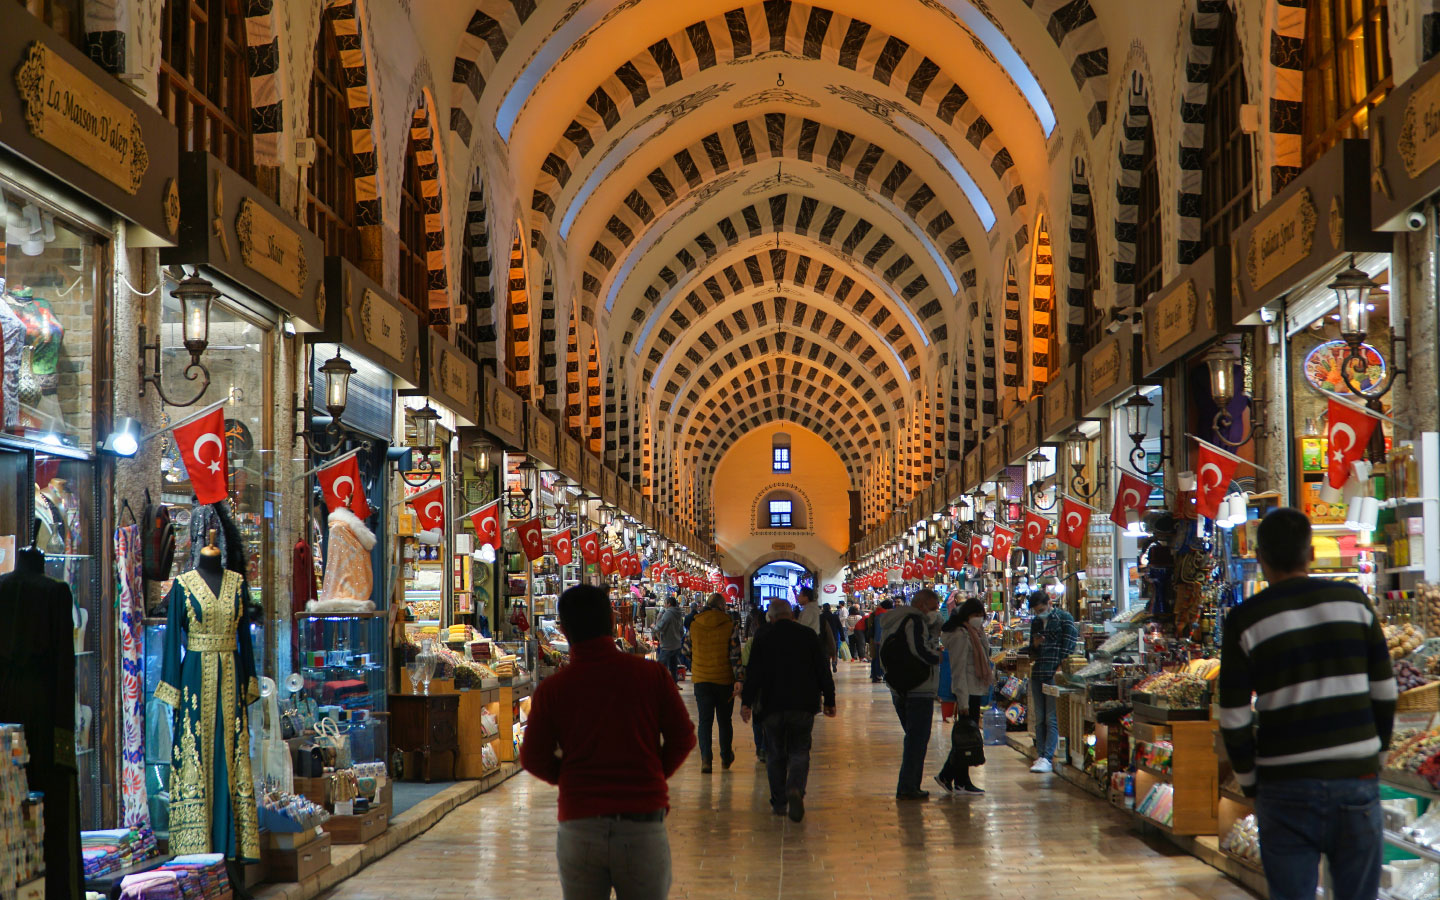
{"type": "Point", "coordinates": [562, 546]}
{"type": "Point", "coordinates": [955, 559]}
{"type": "Point", "coordinates": [977, 551]}
{"type": "Point", "coordinates": [590, 547]}
{"type": "Point", "coordinates": [907, 572]}
{"type": "Point", "coordinates": [1349, 435]}
{"type": "Point", "coordinates": [1212, 480]}
{"type": "Point", "coordinates": [1001, 543]}
{"type": "Point", "coordinates": [486, 520]}
{"type": "Point", "coordinates": [1130, 493]}
{"type": "Point", "coordinates": [202, 449]}
{"type": "Point", "coordinates": [607, 560]}
{"type": "Point", "coordinates": [1032, 533]}
{"type": "Point", "coordinates": [1074, 520]}
{"type": "Point", "coordinates": [629, 565]}
{"type": "Point", "coordinates": [341, 486]}
{"type": "Point", "coordinates": [734, 587]}
{"type": "Point", "coordinates": [530, 540]}
{"type": "Point", "coordinates": [429, 508]}
{"type": "Point", "coordinates": [929, 566]}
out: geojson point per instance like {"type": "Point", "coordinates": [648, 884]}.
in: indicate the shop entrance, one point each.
{"type": "Point", "coordinates": [779, 578]}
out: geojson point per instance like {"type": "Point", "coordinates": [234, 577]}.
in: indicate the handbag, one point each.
{"type": "Point", "coordinates": [967, 742]}
{"type": "Point", "coordinates": [329, 737]}
{"type": "Point", "coordinates": [309, 761]}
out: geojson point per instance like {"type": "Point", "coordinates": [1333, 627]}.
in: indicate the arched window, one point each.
{"type": "Point", "coordinates": [1149, 243]}
{"type": "Point", "coordinates": [1227, 169]}
{"type": "Point", "coordinates": [780, 452]}
{"type": "Point", "coordinates": [1347, 70]}
{"type": "Point", "coordinates": [331, 180]}
{"type": "Point", "coordinates": [414, 268]}
{"type": "Point", "coordinates": [204, 79]}
{"type": "Point", "coordinates": [781, 508]}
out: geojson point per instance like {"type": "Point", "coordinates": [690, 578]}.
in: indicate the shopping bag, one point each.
{"type": "Point", "coordinates": [328, 736]}
{"type": "Point", "coordinates": [845, 652]}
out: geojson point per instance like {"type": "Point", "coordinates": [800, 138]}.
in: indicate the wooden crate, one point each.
{"type": "Point", "coordinates": [359, 828]}
{"type": "Point", "coordinates": [300, 863]}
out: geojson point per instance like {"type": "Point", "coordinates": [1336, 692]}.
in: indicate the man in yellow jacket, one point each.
{"type": "Point", "coordinates": [713, 656]}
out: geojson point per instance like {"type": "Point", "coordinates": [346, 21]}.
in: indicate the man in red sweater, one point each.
{"type": "Point", "coordinates": [609, 729]}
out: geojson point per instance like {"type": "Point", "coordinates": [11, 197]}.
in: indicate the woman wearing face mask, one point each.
{"type": "Point", "coordinates": [970, 678]}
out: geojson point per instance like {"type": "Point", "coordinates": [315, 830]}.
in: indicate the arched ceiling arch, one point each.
{"type": "Point", "coordinates": [828, 282]}
{"type": "Point", "coordinates": [736, 417]}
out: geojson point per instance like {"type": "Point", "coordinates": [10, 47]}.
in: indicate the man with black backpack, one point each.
{"type": "Point", "coordinates": [910, 653]}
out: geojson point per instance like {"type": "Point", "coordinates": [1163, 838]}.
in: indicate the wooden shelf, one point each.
{"type": "Point", "coordinates": [1158, 773]}
{"type": "Point", "coordinates": [1236, 796]}
{"type": "Point", "coordinates": [1244, 861]}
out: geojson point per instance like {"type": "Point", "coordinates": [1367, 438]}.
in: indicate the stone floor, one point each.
{"type": "Point", "coordinates": [1029, 836]}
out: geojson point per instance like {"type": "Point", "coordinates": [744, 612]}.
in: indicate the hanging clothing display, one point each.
{"type": "Point", "coordinates": [212, 793]}
{"type": "Point", "coordinates": [348, 575]}
{"type": "Point", "coordinates": [37, 690]}
{"type": "Point", "coordinates": [130, 596]}
{"type": "Point", "coordinates": [12, 345]}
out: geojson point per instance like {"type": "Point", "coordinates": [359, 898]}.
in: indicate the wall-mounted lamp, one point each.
{"type": "Point", "coordinates": [337, 371]}
{"type": "Point", "coordinates": [1076, 444]}
{"type": "Point", "coordinates": [124, 438]}
{"type": "Point", "coordinates": [517, 499]}
{"type": "Point", "coordinates": [1137, 410]}
{"type": "Point", "coordinates": [1037, 464]}
{"type": "Point", "coordinates": [423, 421]}
{"type": "Point", "coordinates": [195, 295]}
{"type": "Point", "coordinates": [1353, 289]}
{"type": "Point", "coordinates": [1223, 387]}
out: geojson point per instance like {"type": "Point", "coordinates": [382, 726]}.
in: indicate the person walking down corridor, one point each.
{"type": "Point", "coordinates": [670, 633]}
{"type": "Point", "coordinates": [1312, 652]}
{"type": "Point", "coordinates": [609, 729]}
{"type": "Point", "coordinates": [876, 635]}
{"type": "Point", "coordinates": [1053, 635]}
{"type": "Point", "coordinates": [831, 632]}
{"type": "Point", "coordinates": [809, 612]}
{"type": "Point", "coordinates": [911, 650]}
{"type": "Point", "coordinates": [789, 678]}
{"type": "Point", "coordinates": [713, 671]}
{"type": "Point", "coordinates": [971, 675]}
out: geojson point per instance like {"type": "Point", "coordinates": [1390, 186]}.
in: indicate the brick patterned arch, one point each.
{"type": "Point", "coordinates": [1285, 90]}
{"type": "Point", "coordinates": [972, 389]}
{"type": "Point", "coordinates": [427, 158]}
{"type": "Point", "coordinates": [711, 164]}
{"type": "Point", "coordinates": [487, 36]}
{"type": "Point", "coordinates": [1078, 294]}
{"type": "Point", "coordinates": [267, 120]}
{"type": "Point", "coordinates": [1039, 361]}
{"type": "Point", "coordinates": [481, 326]}
{"type": "Point", "coordinates": [825, 328]}
{"type": "Point", "coordinates": [742, 418]}
{"type": "Point", "coordinates": [1012, 347]}
{"type": "Point", "coordinates": [1200, 38]}
{"type": "Point", "coordinates": [345, 19]}
{"type": "Point", "coordinates": [1076, 31]}
{"type": "Point", "coordinates": [1130, 155]}
{"type": "Point", "coordinates": [805, 31]}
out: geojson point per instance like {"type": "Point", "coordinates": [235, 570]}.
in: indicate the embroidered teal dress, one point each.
{"type": "Point", "coordinates": [212, 793]}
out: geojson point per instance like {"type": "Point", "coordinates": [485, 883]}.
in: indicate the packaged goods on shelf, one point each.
{"type": "Point", "coordinates": [1408, 676]}
{"type": "Point", "coordinates": [1410, 879]}
{"type": "Point", "coordinates": [1159, 804]}
{"type": "Point", "coordinates": [22, 816]}
{"type": "Point", "coordinates": [1243, 839]}
{"type": "Point", "coordinates": [1403, 639]}
{"type": "Point", "coordinates": [1399, 812]}
{"type": "Point", "coordinates": [108, 851]}
{"type": "Point", "coordinates": [1176, 690]}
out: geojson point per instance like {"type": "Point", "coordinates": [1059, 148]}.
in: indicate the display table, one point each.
{"type": "Point", "coordinates": [426, 725]}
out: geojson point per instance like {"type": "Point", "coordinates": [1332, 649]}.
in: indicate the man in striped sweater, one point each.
{"type": "Point", "coordinates": [1312, 653]}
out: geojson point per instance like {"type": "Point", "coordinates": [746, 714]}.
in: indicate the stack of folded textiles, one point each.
{"type": "Point", "coordinates": [199, 876]}
{"type": "Point", "coordinates": [109, 851]}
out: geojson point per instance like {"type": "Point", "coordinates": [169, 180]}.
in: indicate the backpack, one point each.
{"type": "Point", "coordinates": [904, 671]}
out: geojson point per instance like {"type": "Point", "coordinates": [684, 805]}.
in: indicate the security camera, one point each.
{"type": "Point", "coordinates": [1414, 220]}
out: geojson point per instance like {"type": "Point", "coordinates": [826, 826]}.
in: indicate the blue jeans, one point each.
{"type": "Point", "coordinates": [1303, 819]}
{"type": "Point", "coordinates": [670, 659]}
{"type": "Point", "coordinates": [916, 712]}
{"type": "Point", "coordinates": [876, 670]}
{"type": "Point", "coordinates": [598, 854]}
{"type": "Point", "coordinates": [715, 701]}
{"type": "Point", "coordinates": [787, 753]}
{"type": "Point", "coordinates": [1046, 715]}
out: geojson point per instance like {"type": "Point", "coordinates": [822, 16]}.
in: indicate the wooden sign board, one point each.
{"type": "Point", "coordinates": [368, 321]}
{"type": "Point", "coordinates": [571, 461]}
{"type": "Point", "coordinates": [1062, 404]}
{"type": "Point", "coordinates": [454, 380]}
{"type": "Point", "coordinates": [541, 439]}
{"type": "Point", "coordinates": [1187, 314]}
{"type": "Point", "coordinates": [1108, 370]}
{"type": "Point", "coordinates": [502, 413]}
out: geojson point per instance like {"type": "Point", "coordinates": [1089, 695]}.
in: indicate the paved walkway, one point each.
{"type": "Point", "coordinates": [1029, 836]}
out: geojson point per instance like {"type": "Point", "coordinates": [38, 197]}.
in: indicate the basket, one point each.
{"type": "Point", "coordinates": [1425, 698]}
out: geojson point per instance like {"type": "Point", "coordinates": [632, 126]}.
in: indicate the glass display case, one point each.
{"type": "Point", "coordinates": [343, 677]}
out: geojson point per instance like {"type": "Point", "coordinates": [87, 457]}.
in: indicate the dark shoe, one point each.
{"type": "Point", "coordinates": [970, 789]}
{"type": "Point", "coordinates": [876, 680]}
{"type": "Point", "coordinates": [726, 759]}
{"type": "Point", "coordinates": [912, 795]}
{"type": "Point", "coordinates": [760, 756]}
{"type": "Point", "coordinates": [797, 806]}
{"type": "Point", "coordinates": [778, 809]}
{"type": "Point", "coordinates": [946, 784]}
{"type": "Point", "coordinates": [705, 767]}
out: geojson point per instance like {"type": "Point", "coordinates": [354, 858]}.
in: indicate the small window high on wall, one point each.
{"type": "Point", "coordinates": [782, 513]}
{"type": "Point", "coordinates": [1347, 70]}
{"type": "Point", "coordinates": [780, 453]}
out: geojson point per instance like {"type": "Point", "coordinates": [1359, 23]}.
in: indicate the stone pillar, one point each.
{"type": "Point", "coordinates": [1413, 274]}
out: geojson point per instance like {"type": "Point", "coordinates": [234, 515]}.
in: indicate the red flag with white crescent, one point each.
{"type": "Point", "coordinates": [1348, 436]}
{"type": "Point", "coordinates": [1212, 480]}
{"type": "Point", "coordinates": [928, 568]}
{"type": "Point", "coordinates": [530, 539]}
{"type": "Point", "coordinates": [590, 547]}
{"type": "Point", "coordinates": [629, 565]}
{"type": "Point", "coordinates": [607, 560]}
{"type": "Point", "coordinates": [1001, 543]}
{"type": "Point", "coordinates": [956, 558]}
{"type": "Point", "coordinates": [733, 588]}
{"type": "Point", "coordinates": [907, 572]}
{"type": "Point", "coordinates": [1074, 520]}
{"type": "Point", "coordinates": [561, 546]}
{"type": "Point", "coordinates": [429, 506]}
{"type": "Point", "coordinates": [341, 486]}
{"type": "Point", "coordinates": [486, 521]}
{"type": "Point", "coordinates": [1130, 493]}
{"type": "Point", "coordinates": [202, 449]}
{"type": "Point", "coordinates": [977, 551]}
{"type": "Point", "coordinates": [1033, 531]}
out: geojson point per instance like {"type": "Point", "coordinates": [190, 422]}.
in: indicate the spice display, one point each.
{"type": "Point", "coordinates": [1176, 690]}
{"type": "Point", "coordinates": [1407, 676]}
{"type": "Point", "coordinates": [1403, 639]}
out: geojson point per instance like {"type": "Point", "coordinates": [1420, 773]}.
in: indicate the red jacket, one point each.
{"type": "Point", "coordinates": [609, 729]}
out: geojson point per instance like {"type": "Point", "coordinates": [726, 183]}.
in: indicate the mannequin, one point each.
{"type": "Point", "coordinates": [209, 565]}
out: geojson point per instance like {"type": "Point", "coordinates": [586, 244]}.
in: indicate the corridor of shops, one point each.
{"type": "Point", "coordinates": [1027, 836]}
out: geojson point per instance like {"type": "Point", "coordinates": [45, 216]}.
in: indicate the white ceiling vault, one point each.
{"type": "Point", "coordinates": [774, 209]}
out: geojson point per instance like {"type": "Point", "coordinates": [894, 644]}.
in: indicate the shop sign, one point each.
{"type": "Point", "coordinates": [453, 379]}
{"type": "Point", "coordinates": [937, 495]}
{"type": "Point", "coordinates": [1109, 369]}
{"type": "Point", "coordinates": [366, 320]}
{"type": "Point", "coordinates": [569, 452]}
{"type": "Point", "coordinates": [1061, 410]}
{"type": "Point", "coordinates": [992, 451]}
{"type": "Point", "coordinates": [592, 480]}
{"type": "Point", "coordinates": [1022, 437]}
{"type": "Point", "coordinates": [229, 225]}
{"type": "Point", "coordinates": [1185, 315]}
{"type": "Point", "coordinates": [541, 436]}
{"type": "Point", "coordinates": [952, 482]}
{"type": "Point", "coordinates": [85, 127]}
{"type": "Point", "coordinates": [971, 468]}
{"type": "Point", "coordinates": [1282, 239]}
{"type": "Point", "coordinates": [1405, 139]}
{"type": "Point", "coordinates": [502, 413]}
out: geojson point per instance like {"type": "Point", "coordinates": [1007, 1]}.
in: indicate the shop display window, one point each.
{"type": "Point", "coordinates": [49, 272]}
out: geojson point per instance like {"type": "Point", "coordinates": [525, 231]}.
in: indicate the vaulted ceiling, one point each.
{"type": "Point", "coordinates": [776, 208]}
